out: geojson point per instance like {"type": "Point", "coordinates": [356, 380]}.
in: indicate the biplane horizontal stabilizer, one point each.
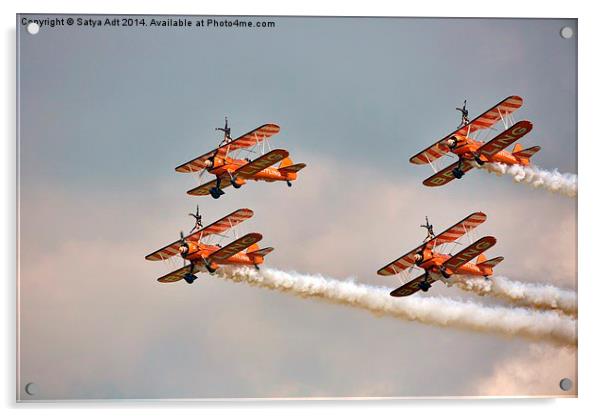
{"type": "Point", "coordinates": [524, 155]}
{"type": "Point", "coordinates": [292, 168]}
{"type": "Point", "coordinates": [261, 252]}
{"type": "Point", "coordinates": [490, 263]}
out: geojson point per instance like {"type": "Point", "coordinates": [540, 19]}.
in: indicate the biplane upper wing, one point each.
{"type": "Point", "coordinates": [247, 140]}
{"type": "Point", "coordinates": [506, 138]}
{"type": "Point", "coordinates": [412, 286]}
{"type": "Point", "coordinates": [261, 163]}
{"type": "Point", "coordinates": [227, 222]}
{"type": "Point", "coordinates": [468, 253]}
{"type": "Point", "coordinates": [217, 227]}
{"type": "Point", "coordinates": [403, 262]}
{"type": "Point", "coordinates": [205, 188]}
{"type": "Point", "coordinates": [451, 234]}
{"type": "Point", "coordinates": [484, 121]}
{"type": "Point", "coordinates": [178, 274]}
{"type": "Point", "coordinates": [235, 247]}
{"type": "Point", "coordinates": [446, 174]}
{"type": "Point", "coordinates": [459, 229]}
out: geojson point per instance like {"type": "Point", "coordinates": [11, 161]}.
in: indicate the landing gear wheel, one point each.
{"type": "Point", "coordinates": [289, 183]}
{"type": "Point", "coordinates": [235, 184]}
{"type": "Point", "coordinates": [478, 160]}
{"type": "Point", "coordinates": [445, 274]}
{"type": "Point", "coordinates": [424, 286]}
{"type": "Point", "coordinates": [458, 173]}
{"type": "Point", "coordinates": [189, 278]}
{"type": "Point", "coordinates": [215, 192]}
{"type": "Point", "coordinates": [209, 269]}
{"type": "Point", "coordinates": [256, 266]}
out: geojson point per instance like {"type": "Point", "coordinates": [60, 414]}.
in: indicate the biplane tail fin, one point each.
{"type": "Point", "coordinates": [524, 155]}
{"type": "Point", "coordinates": [253, 248]}
{"type": "Point", "coordinates": [481, 258]}
{"type": "Point", "coordinates": [487, 266]}
{"type": "Point", "coordinates": [285, 163]}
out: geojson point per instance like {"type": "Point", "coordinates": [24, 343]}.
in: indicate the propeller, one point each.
{"type": "Point", "coordinates": [183, 249]}
{"type": "Point", "coordinates": [197, 217]}
{"type": "Point", "coordinates": [208, 163]}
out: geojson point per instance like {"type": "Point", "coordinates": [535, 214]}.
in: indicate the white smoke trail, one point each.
{"type": "Point", "coordinates": [539, 296]}
{"type": "Point", "coordinates": [554, 181]}
{"type": "Point", "coordinates": [444, 312]}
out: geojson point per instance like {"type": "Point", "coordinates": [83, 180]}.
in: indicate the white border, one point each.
{"type": "Point", "coordinates": [590, 289]}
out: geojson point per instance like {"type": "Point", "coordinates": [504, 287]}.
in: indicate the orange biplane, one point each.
{"type": "Point", "coordinates": [236, 171]}
{"type": "Point", "coordinates": [203, 255]}
{"type": "Point", "coordinates": [471, 151]}
{"type": "Point", "coordinates": [437, 265]}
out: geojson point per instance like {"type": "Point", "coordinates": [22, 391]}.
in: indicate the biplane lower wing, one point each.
{"type": "Point", "coordinates": [218, 226]}
{"type": "Point", "coordinates": [179, 274]}
{"type": "Point", "coordinates": [235, 247]}
{"type": "Point", "coordinates": [247, 140]}
{"type": "Point", "coordinates": [205, 189]}
{"type": "Point", "coordinates": [505, 139]}
{"type": "Point", "coordinates": [413, 286]}
{"type": "Point", "coordinates": [469, 253]}
{"type": "Point", "coordinates": [446, 174]}
{"type": "Point", "coordinates": [483, 121]}
{"type": "Point", "coordinates": [261, 163]}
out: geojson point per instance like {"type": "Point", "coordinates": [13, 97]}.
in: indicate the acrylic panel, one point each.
{"type": "Point", "coordinates": [296, 207]}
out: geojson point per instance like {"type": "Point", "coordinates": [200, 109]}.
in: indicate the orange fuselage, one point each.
{"type": "Point", "coordinates": [229, 165]}
{"type": "Point", "coordinates": [198, 252]}
{"type": "Point", "coordinates": [433, 260]}
{"type": "Point", "coordinates": [468, 147]}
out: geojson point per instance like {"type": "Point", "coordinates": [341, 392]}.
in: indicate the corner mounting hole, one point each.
{"type": "Point", "coordinates": [566, 32]}
{"type": "Point", "coordinates": [31, 388]}
{"type": "Point", "coordinates": [566, 384]}
{"type": "Point", "coordinates": [33, 28]}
